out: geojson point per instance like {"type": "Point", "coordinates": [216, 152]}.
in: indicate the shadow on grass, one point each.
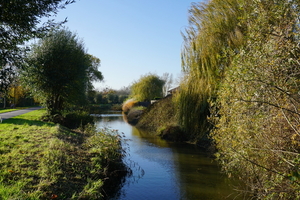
{"type": "Point", "coordinates": [20, 121]}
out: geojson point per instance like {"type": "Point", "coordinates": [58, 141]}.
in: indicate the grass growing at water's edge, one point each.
{"type": "Point", "coordinates": [158, 116]}
{"type": "Point", "coordinates": [42, 160]}
{"type": "Point", "coordinates": [161, 119]}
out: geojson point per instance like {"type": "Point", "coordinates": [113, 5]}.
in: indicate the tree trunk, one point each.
{"type": "Point", "coordinates": [4, 102]}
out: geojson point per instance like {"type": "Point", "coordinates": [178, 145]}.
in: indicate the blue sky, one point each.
{"type": "Point", "coordinates": [131, 37]}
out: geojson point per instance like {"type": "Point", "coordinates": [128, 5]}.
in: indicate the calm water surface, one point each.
{"type": "Point", "coordinates": [163, 170]}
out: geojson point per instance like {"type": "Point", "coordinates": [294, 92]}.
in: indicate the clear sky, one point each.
{"type": "Point", "coordinates": [131, 37]}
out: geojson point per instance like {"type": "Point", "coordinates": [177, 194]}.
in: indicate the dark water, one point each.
{"type": "Point", "coordinates": [163, 170]}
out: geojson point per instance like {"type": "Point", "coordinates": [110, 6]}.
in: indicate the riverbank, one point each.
{"type": "Point", "coordinates": [166, 170]}
{"type": "Point", "coordinates": [42, 160]}
{"type": "Point", "coordinates": [161, 119]}
{"type": "Point", "coordinates": [155, 118]}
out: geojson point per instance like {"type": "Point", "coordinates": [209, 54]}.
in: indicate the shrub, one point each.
{"type": "Point", "coordinates": [127, 105]}
{"type": "Point", "coordinates": [257, 129]}
{"type": "Point", "coordinates": [70, 119]}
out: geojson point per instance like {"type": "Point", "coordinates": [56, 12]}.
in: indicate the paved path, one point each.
{"type": "Point", "coordinates": [17, 112]}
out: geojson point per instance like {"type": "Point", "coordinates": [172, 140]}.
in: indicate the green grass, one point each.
{"type": "Point", "coordinates": [9, 109]}
{"type": "Point", "coordinates": [159, 116]}
{"type": "Point", "coordinates": [4, 110]}
{"type": "Point", "coordinates": [41, 160]}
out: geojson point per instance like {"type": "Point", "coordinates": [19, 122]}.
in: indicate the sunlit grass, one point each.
{"type": "Point", "coordinates": [41, 160]}
{"type": "Point", "coordinates": [2, 110]}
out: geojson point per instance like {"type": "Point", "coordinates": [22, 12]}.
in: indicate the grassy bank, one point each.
{"type": "Point", "coordinates": [42, 160]}
{"type": "Point", "coordinates": [161, 118]}
{"type": "Point", "coordinates": [158, 116]}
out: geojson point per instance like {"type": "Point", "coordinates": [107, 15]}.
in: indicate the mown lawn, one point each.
{"type": "Point", "coordinates": [2, 110]}
{"type": "Point", "coordinates": [41, 160]}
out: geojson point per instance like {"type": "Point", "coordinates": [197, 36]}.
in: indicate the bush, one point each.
{"type": "Point", "coordinates": [76, 119]}
{"type": "Point", "coordinates": [70, 119]}
{"type": "Point", "coordinates": [257, 130]}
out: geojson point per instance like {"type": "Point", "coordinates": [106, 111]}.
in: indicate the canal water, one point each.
{"type": "Point", "coordinates": [164, 170]}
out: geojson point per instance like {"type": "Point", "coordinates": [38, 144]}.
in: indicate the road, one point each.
{"type": "Point", "coordinates": [17, 112]}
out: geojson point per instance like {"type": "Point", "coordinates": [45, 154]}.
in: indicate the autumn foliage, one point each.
{"type": "Point", "coordinates": [127, 105]}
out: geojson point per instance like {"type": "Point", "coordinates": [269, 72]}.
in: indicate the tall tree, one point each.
{"type": "Point", "coordinates": [92, 71]}
{"type": "Point", "coordinates": [147, 87]}
{"type": "Point", "coordinates": [59, 71]}
{"type": "Point", "coordinates": [20, 20]}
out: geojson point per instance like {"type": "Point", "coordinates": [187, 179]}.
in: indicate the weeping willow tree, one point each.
{"type": "Point", "coordinates": [213, 29]}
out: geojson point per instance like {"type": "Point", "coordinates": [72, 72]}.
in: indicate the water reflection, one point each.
{"type": "Point", "coordinates": [163, 170]}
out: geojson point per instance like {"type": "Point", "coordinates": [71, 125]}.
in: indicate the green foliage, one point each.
{"type": "Point", "coordinates": [98, 109]}
{"type": "Point", "coordinates": [193, 108]}
{"type": "Point", "coordinates": [21, 21]}
{"type": "Point", "coordinates": [109, 96]}
{"type": "Point", "coordinates": [147, 87]}
{"type": "Point", "coordinates": [72, 119]}
{"type": "Point", "coordinates": [117, 107]}
{"type": "Point", "coordinates": [92, 71]}
{"type": "Point", "coordinates": [257, 123]}
{"type": "Point", "coordinates": [242, 64]}
{"type": "Point", "coordinates": [112, 98]}
{"type": "Point", "coordinates": [159, 115]}
{"type": "Point", "coordinates": [77, 119]}
{"type": "Point", "coordinates": [59, 72]}
{"type": "Point", "coordinates": [99, 98]}
{"type": "Point", "coordinates": [123, 98]}
{"type": "Point", "coordinates": [214, 28]}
